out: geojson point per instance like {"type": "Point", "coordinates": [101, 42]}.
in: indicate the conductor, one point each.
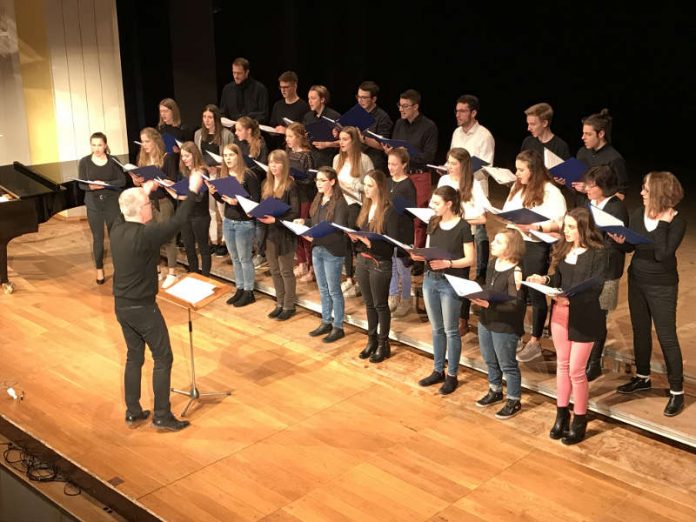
{"type": "Point", "coordinates": [135, 244]}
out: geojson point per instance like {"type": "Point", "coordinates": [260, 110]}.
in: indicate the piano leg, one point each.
{"type": "Point", "coordinates": [7, 287]}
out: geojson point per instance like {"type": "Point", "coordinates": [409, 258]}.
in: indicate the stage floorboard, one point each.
{"type": "Point", "coordinates": [310, 431]}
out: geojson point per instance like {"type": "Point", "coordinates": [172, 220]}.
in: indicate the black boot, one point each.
{"type": "Point", "coordinates": [236, 296]}
{"type": "Point", "coordinates": [370, 348]}
{"type": "Point", "coordinates": [560, 427]}
{"type": "Point", "coordinates": [675, 404]}
{"type": "Point", "coordinates": [383, 351]}
{"type": "Point", "coordinates": [246, 299]}
{"type": "Point", "coordinates": [594, 363]}
{"type": "Point", "coordinates": [577, 430]}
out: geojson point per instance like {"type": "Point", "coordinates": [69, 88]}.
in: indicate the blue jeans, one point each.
{"type": "Point", "coordinates": [443, 305]}
{"type": "Point", "coordinates": [400, 273]}
{"type": "Point", "coordinates": [498, 350]}
{"type": "Point", "coordinates": [239, 236]}
{"type": "Point", "coordinates": [327, 269]}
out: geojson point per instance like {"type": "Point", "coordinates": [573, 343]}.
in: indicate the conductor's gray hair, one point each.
{"type": "Point", "coordinates": [130, 201]}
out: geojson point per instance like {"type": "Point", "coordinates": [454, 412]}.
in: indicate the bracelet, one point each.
{"type": "Point", "coordinates": [450, 261]}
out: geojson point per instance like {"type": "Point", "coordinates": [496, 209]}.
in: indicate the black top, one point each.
{"type": "Point", "coordinates": [616, 254]}
{"type": "Point", "coordinates": [555, 145]}
{"type": "Point", "coordinates": [335, 242]}
{"type": "Point", "coordinates": [293, 111]}
{"type": "Point", "coordinates": [322, 157]}
{"type": "Point", "coordinates": [607, 155]}
{"type": "Point", "coordinates": [306, 187]}
{"type": "Point", "coordinates": [201, 202]}
{"type": "Point", "coordinates": [248, 99]}
{"type": "Point", "coordinates": [507, 317]}
{"type": "Point", "coordinates": [381, 250]}
{"type": "Point", "coordinates": [262, 157]}
{"type": "Point", "coordinates": [422, 134]}
{"type": "Point", "coordinates": [452, 241]}
{"type": "Point", "coordinates": [181, 133]}
{"type": "Point", "coordinates": [656, 262]}
{"type": "Point", "coordinates": [135, 248]}
{"type": "Point", "coordinates": [252, 186]}
{"type": "Point", "coordinates": [109, 173]}
{"type": "Point", "coordinates": [586, 320]}
{"type": "Point", "coordinates": [383, 126]}
{"type": "Point", "coordinates": [284, 239]}
{"type": "Point", "coordinates": [170, 167]}
{"type": "Point", "coordinates": [406, 190]}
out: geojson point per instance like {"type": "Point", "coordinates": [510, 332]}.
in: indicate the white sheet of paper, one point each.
{"type": "Point", "coordinates": [341, 227]}
{"type": "Point", "coordinates": [247, 204]}
{"type": "Point", "coordinates": [268, 129]}
{"type": "Point", "coordinates": [398, 243]}
{"type": "Point", "coordinates": [604, 219]}
{"type": "Point", "coordinates": [127, 167]}
{"type": "Point", "coordinates": [92, 182]}
{"type": "Point", "coordinates": [295, 227]}
{"type": "Point", "coordinates": [553, 292]}
{"type": "Point", "coordinates": [463, 286]}
{"type": "Point", "coordinates": [262, 165]}
{"type": "Point", "coordinates": [216, 157]}
{"type": "Point", "coordinates": [550, 159]}
{"type": "Point", "coordinates": [375, 135]}
{"type": "Point", "coordinates": [441, 168]}
{"type": "Point", "coordinates": [191, 290]}
{"type": "Point", "coordinates": [424, 214]}
{"type": "Point", "coordinates": [546, 238]}
{"type": "Point", "coordinates": [288, 121]}
{"type": "Point", "coordinates": [500, 175]}
{"type": "Point", "coordinates": [226, 122]}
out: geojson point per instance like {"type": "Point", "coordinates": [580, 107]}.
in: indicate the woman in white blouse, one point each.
{"type": "Point", "coordinates": [473, 199]}
{"type": "Point", "coordinates": [535, 190]}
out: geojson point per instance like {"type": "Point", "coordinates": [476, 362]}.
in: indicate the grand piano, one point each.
{"type": "Point", "coordinates": [31, 195]}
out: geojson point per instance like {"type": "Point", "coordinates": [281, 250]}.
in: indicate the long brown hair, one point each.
{"type": "Point", "coordinates": [515, 245]}
{"type": "Point", "coordinates": [533, 191]}
{"type": "Point", "coordinates": [198, 163]}
{"type": "Point", "coordinates": [466, 175]}
{"type": "Point", "coordinates": [100, 136]}
{"type": "Point", "coordinates": [156, 158]}
{"type": "Point", "coordinates": [353, 155]}
{"type": "Point", "coordinates": [255, 138]}
{"type": "Point", "coordinates": [299, 130]}
{"type": "Point", "coordinates": [271, 189]}
{"type": "Point", "coordinates": [381, 204]}
{"type": "Point", "coordinates": [664, 192]}
{"type": "Point", "coordinates": [217, 118]}
{"type": "Point", "coordinates": [240, 167]}
{"type": "Point", "coordinates": [590, 236]}
{"type": "Point", "coordinates": [336, 194]}
{"type": "Point", "coordinates": [448, 194]}
{"type": "Point", "coordinates": [170, 104]}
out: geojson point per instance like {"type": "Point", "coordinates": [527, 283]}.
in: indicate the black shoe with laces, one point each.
{"type": "Point", "coordinates": [246, 299]}
{"type": "Point", "coordinates": [512, 407]}
{"type": "Point", "coordinates": [236, 296]}
{"type": "Point", "coordinates": [286, 314]}
{"type": "Point", "coordinates": [275, 312]}
{"type": "Point", "coordinates": [322, 329]}
{"type": "Point", "coordinates": [637, 384]}
{"type": "Point", "coordinates": [449, 386]}
{"type": "Point", "coordinates": [675, 405]}
{"type": "Point", "coordinates": [170, 423]}
{"type": "Point", "coordinates": [132, 419]}
{"type": "Point", "coordinates": [433, 378]}
{"type": "Point", "coordinates": [335, 335]}
{"type": "Point", "coordinates": [492, 397]}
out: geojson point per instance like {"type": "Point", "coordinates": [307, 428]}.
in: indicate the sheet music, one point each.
{"type": "Point", "coordinates": [268, 129]}
{"type": "Point", "coordinates": [216, 157]}
{"type": "Point", "coordinates": [604, 219]}
{"type": "Point", "coordinates": [463, 287]}
{"type": "Point", "coordinates": [547, 290]}
{"type": "Point", "coordinates": [93, 182]}
{"type": "Point", "coordinates": [500, 175]}
{"type": "Point", "coordinates": [191, 290]}
{"type": "Point", "coordinates": [262, 165]}
{"type": "Point", "coordinates": [550, 159]}
{"type": "Point", "coordinates": [247, 204]}
{"type": "Point", "coordinates": [546, 238]}
{"type": "Point", "coordinates": [441, 168]}
{"type": "Point", "coordinates": [226, 122]}
{"type": "Point", "coordinates": [424, 214]}
{"type": "Point", "coordinates": [295, 227]}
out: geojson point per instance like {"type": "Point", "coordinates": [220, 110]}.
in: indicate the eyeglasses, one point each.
{"type": "Point", "coordinates": [403, 106]}
{"type": "Point", "coordinates": [358, 97]}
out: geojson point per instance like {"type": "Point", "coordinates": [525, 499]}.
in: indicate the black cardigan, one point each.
{"type": "Point", "coordinates": [586, 322]}
{"type": "Point", "coordinates": [284, 239]}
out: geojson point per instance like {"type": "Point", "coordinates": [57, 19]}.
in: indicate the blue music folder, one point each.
{"type": "Point", "coordinates": [631, 237]}
{"type": "Point", "coordinates": [571, 170]}
{"type": "Point", "coordinates": [588, 284]}
{"type": "Point", "coordinates": [169, 142]}
{"type": "Point", "coordinates": [319, 230]}
{"type": "Point", "coordinates": [270, 207]}
{"type": "Point", "coordinates": [522, 216]}
{"type": "Point", "coordinates": [320, 130]}
{"type": "Point", "coordinates": [413, 152]}
{"type": "Point", "coordinates": [149, 172]}
{"type": "Point", "coordinates": [477, 164]}
{"type": "Point", "coordinates": [298, 174]}
{"type": "Point", "coordinates": [182, 187]}
{"type": "Point", "coordinates": [230, 187]}
{"type": "Point", "coordinates": [400, 205]}
{"type": "Point", "coordinates": [356, 117]}
{"type": "Point", "coordinates": [433, 253]}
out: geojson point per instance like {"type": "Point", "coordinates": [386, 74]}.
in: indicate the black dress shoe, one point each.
{"type": "Point", "coordinates": [170, 423]}
{"type": "Point", "coordinates": [370, 348]}
{"type": "Point", "coordinates": [275, 312]}
{"type": "Point", "coordinates": [449, 386]}
{"type": "Point", "coordinates": [637, 384]}
{"type": "Point", "coordinates": [335, 335]}
{"type": "Point", "coordinates": [286, 314]}
{"type": "Point", "coordinates": [236, 296]}
{"type": "Point", "coordinates": [132, 419]}
{"type": "Point", "coordinates": [675, 405]}
{"type": "Point", "coordinates": [322, 329]}
{"type": "Point", "coordinates": [246, 299]}
{"type": "Point", "coordinates": [433, 378]}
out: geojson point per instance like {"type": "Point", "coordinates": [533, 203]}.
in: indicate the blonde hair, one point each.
{"type": "Point", "coordinates": [156, 157]}
{"type": "Point", "coordinates": [198, 163]}
{"type": "Point", "coordinates": [240, 167]}
{"type": "Point", "coordinates": [275, 187]}
{"type": "Point", "coordinates": [255, 139]}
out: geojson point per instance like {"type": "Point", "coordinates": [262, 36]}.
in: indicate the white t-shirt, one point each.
{"type": "Point", "coordinates": [473, 208]}
{"type": "Point", "coordinates": [553, 206]}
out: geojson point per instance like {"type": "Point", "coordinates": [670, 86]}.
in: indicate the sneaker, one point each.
{"type": "Point", "coordinates": [221, 250]}
{"type": "Point", "coordinates": [449, 386]}
{"type": "Point", "coordinates": [492, 397]}
{"type": "Point", "coordinates": [403, 309]}
{"type": "Point", "coordinates": [258, 261]}
{"type": "Point", "coordinates": [169, 281]}
{"type": "Point", "coordinates": [347, 285]}
{"type": "Point", "coordinates": [285, 314]}
{"type": "Point", "coordinates": [393, 302]}
{"type": "Point", "coordinates": [246, 299]}
{"type": "Point", "coordinates": [433, 378]}
{"type": "Point", "coordinates": [637, 384]}
{"type": "Point", "coordinates": [520, 345]}
{"type": "Point", "coordinates": [531, 351]}
{"type": "Point", "coordinates": [512, 407]}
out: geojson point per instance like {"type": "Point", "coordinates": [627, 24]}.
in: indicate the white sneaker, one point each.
{"type": "Point", "coordinates": [531, 351]}
{"type": "Point", "coordinates": [169, 281]}
{"type": "Point", "coordinates": [393, 302]}
{"type": "Point", "coordinates": [258, 261]}
{"type": "Point", "coordinates": [346, 285]}
{"type": "Point", "coordinates": [403, 309]}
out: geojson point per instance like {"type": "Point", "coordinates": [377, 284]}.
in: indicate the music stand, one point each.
{"type": "Point", "coordinates": [191, 295]}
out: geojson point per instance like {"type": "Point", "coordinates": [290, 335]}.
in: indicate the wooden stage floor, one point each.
{"type": "Point", "coordinates": [311, 432]}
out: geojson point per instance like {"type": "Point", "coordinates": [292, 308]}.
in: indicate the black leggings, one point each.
{"type": "Point", "coordinates": [536, 261]}
{"type": "Point", "coordinates": [353, 211]}
{"type": "Point", "coordinates": [374, 278]}
{"type": "Point", "coordinates": [102, 209]}
{"type": "Point", "coordinates": [195, 232]}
